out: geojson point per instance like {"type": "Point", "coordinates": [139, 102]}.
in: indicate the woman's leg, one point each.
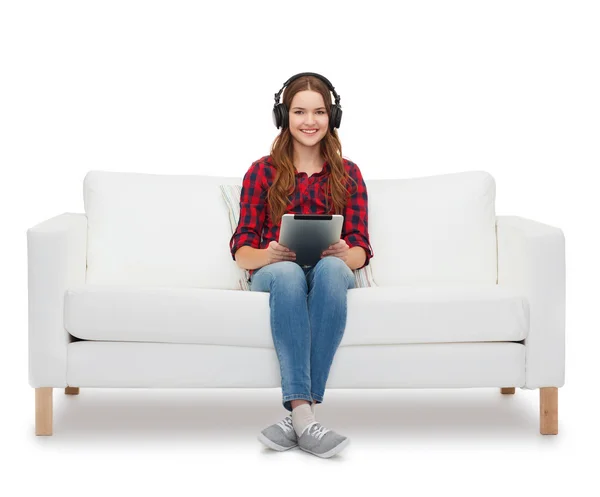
{"type": "Point", "coordinates": [328, 283]}
{"type": "Point", "coordinates": [290, 328]}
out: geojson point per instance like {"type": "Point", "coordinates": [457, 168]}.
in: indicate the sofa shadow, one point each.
{"type": "Point", "coordinates": [386, 416]}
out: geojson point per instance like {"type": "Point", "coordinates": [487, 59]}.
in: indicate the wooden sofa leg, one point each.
{"type": "Point", "coordinates": [506, 390]}
{"type": "Point", "coordinates": [549, 410]}
{"type": "Point", "coordinates": [72, 391]}
{"type": "Point", "coordinates": [43, 411]}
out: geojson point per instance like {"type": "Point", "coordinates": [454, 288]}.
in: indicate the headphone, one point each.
{"type": "Point", "coordinates": [280, 111]}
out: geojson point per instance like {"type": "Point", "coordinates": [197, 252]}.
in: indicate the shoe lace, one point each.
{"type": "Point", "coordinates": [317, 430]}
{"type": "Point", "coordinates": [286, 424]}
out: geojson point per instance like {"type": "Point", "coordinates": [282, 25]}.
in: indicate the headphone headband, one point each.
{"type": "Point", "coordinates": [322, 78]}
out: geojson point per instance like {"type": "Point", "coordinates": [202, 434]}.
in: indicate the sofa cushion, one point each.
{"type": "Point", "coordinates": [377, 315]}
{"type": "Point", "coordinates": [158, 230]}
{"type": "Point", "coordinates": [231, 195]}
{"type": "Point", "coordinates": [433, 229]}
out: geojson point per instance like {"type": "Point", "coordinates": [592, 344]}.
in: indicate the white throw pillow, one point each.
{"type": "Point", "coordinates": [231, 194]}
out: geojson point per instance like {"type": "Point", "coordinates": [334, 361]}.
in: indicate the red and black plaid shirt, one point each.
{"type": "Point", "coordinates": [255, 227]}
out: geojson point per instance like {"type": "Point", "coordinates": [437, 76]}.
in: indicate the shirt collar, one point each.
{"type": "Point", "coordinates": [323, 171]}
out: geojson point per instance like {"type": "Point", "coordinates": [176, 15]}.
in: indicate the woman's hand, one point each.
{"type": "Point", "coordinates": [277, 253]}
{"type": "Point", "coordinates": [339, 249]}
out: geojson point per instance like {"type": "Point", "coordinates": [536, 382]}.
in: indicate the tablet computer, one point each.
{"type": "Point", "coordinates": [308, 235]}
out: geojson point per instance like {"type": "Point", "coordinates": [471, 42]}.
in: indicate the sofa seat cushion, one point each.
{"type": "Point", "coordinates": [377, 315]}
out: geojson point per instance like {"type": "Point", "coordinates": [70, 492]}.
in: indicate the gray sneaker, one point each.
{"type": "Point", "coordinates": [322, 442]}
{"type": "Point", "coordinates": [280, 436]}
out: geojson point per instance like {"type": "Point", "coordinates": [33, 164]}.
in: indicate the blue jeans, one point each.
{"type": "Point", "coordinates": [308, 318]}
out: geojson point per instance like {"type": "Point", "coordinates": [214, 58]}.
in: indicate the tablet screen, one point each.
{"type": "Point", "coordinates": [308, 235]}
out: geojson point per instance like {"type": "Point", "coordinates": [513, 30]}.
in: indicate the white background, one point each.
{"type": "Point", "coordinates": [187, 88]}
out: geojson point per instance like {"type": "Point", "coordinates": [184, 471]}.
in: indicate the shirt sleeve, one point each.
{"type": "Point", "coordinates": [252, 211]}
{"type": "Point", "coordinates": [356, 216]}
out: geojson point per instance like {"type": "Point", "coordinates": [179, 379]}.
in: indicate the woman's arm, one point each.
{"type": "Point", "coordinates": [252, 213]}
{"type": "Point", "coordinates": [248, 257]}
{"type": "Point", "coordinates": [356, 258]}
{"type": "Point", "coordinates": [356, 222]}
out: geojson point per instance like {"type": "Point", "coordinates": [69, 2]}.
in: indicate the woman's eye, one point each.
{"type": "Point", "coordinates": [320, 112]}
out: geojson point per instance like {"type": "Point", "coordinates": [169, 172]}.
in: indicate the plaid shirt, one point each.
{"type": "Point", "coordinates": [255, 227]}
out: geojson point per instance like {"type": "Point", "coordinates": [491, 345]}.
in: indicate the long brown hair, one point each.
{"type": "Point", "coordinates": [282, 153]}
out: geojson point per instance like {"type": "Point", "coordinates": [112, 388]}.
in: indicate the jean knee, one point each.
{"type": "Point", "coordinates": [337, 265]}
{"type": "Point", "coordinates": [287, 272]}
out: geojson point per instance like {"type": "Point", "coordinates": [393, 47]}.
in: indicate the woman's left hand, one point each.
{"type": "Point", "coordinates": [339, 249]}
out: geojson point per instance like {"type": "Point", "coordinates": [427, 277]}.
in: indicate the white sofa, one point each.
{"type": "Point", "coordinates": [141, 290]}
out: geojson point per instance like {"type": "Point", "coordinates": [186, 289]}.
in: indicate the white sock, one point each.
{"type": "Point", "coordinates": [312, 408]}
{"type": "Point", "coordinates": [302, 416]}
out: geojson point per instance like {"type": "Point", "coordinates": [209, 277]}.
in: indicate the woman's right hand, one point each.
{"type": "Point", "coordinates": [277, 253]}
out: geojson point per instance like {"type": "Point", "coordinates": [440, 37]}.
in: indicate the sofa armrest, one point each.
{"type": "Point", "coordinates": [56, 260]}
{"type": "Point", "coordinates": [531, 258]}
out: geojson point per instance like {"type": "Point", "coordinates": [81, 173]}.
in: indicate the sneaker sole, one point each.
{"type": "Point", "coordinates": [332, 452]}
{"type": "Point", "coordinates": [272, 445]}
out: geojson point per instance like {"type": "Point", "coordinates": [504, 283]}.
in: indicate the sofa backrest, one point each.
{"type": "Point", "coordinates": [158, 230]}
{"type": "Point", "coordinates": [173, 230]}
{"type": "Point", "coordinates": [433, 230]}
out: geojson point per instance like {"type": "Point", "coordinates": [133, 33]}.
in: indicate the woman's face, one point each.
{"type": "Point", "coordinates": [308, 112]}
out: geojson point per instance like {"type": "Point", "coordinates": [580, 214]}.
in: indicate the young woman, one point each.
{"type": "Point", "coordinates": [305, 174]}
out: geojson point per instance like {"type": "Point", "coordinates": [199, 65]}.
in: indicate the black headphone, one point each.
{"type": "Point", "coordinates": [280, 111]}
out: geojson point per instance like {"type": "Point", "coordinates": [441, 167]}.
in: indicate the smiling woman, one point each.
{"type": "Point", "coordinates": [305, 174]}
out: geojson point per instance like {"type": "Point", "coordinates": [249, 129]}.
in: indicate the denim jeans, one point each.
{"type": "Point", "coordinates": [308, 316]}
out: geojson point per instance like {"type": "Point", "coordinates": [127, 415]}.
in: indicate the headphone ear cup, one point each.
{"type": "Point", "coordinates": [280, 116]}
{"type": "Point", "coordinates": [336, 117]}
{"type": "Point", "coordinates": [277, 115]}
